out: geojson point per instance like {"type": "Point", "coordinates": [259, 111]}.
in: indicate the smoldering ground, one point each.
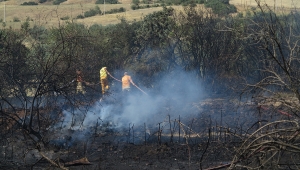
{"type": "Point", "coordinates": [172, 97]}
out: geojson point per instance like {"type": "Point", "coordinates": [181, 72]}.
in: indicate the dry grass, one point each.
{"type": "Point", "coordinates": [279, 3]}
{"type": "Point", "coordinates": [113, 18]}
{"type": "Point", "coordinates": [281, 6]}
{"type": "Point", "coordinates": [130, 15]}
{"type": "Point", "coordinates": [49, 15]}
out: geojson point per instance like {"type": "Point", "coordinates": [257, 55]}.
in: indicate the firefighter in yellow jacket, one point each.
{"type": "Point", "coordinates": [103, 79]}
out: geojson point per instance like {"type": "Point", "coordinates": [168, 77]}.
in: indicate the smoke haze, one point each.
{"type": "Point", "coordinates": [172, 95]}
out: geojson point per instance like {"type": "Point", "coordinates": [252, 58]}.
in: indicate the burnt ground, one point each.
{"type": "Point", "coordinates": [169, 145]}
{"type": "Point", "coordinates": [109, 155]}
{"type": "Point", "coordinates": [208, 139]}
{"type": "Point", "coordinates": [151, 156]}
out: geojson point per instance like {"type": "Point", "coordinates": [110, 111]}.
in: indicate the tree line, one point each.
{"type": "Point", "coordinates": [217, 49]}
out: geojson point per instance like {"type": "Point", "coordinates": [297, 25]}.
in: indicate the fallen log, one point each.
{"type": "Point", "coordinates": [82, 161]}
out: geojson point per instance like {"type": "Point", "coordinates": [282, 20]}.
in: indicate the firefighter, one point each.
{"type": "Point", "coordinates": [103, 79]}
{"type": "Point", "coordinates": [79, 80]}
{"type": "Point", "coordinates": [126, 80]}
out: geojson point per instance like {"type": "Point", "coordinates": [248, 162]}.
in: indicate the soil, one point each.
{"type": "Point", "coordinates": [123, 156]}
{"type": "Point", "coordinates": [209, 146]}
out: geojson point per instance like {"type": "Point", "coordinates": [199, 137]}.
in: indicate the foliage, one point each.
{"type": "Point", "coordinates": [57, 2]}
{"type": "Point", "coordinates": [155, 28]}
{"type": "Point", "coordinates": [220, 7]}
{"type": "Point", "coordinates": [92, 12]}
{"type": "Point", "coordinates": [42, 1]}
{"type": "Point", "coordinates": [25, 26]}
{"type": "Point", "coordinates": [65, 18]}
{"type": "Point", "coordinates": [29, 3]}
{"type": "Point", "coordinates": [16, 19]}
{"type": "Point", "coordinates": [13, 54]}
{"type": "Point", "coordinates": [135, 7]}
{"type": "Point", "coordinates": [80, 16]}
{"type": "Point", "coordinates": [112, 11]}
{"type": "Point", "coordinates": [136, 2]}
{"type": "Point", "coordinates": [156, 33]}
{"type": "Point", "coordinates": [106, 1]}
{"type": "Point", "coordinates": [147, 1]}
{"type": "Point", "coordinates": [181, 2]}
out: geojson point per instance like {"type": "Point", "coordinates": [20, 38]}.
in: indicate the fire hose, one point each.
{"type": "Point", "coordinates": [121, 81]}
{"type": "Point", "coordinates": [87, 83]}
{"type": "Point", "coordinates": [113, 77]}
{"type": "Point", "coordinates": [140, 89]}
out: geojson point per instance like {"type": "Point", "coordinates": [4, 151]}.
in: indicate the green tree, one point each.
{"type": "Point", "coordinates": [107, 1]}
{"type": "Point", "coordinates": [136, 2]}
{"type": "Point", "coordinates": [220, 7]}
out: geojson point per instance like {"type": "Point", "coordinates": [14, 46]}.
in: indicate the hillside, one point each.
{"type": "Point", "coordinates": [50, 15]}
{"type": "Point", "coordinates": [278, 3]}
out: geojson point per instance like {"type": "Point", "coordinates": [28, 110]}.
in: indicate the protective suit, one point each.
{"type": "Point", "coordinates": [126, 80]}
{"type": "Point", "coordinates": [103, 80]}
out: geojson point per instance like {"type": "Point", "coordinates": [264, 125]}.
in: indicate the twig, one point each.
{"type": "Point", "coordinates": [207, 144]}
{"type": "Point", "coordinates": [52, 162]}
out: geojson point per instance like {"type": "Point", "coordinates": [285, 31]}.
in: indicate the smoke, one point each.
{"type": "Point", "coordinates": [173, 95]}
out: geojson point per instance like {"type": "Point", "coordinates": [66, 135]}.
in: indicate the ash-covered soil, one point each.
{"type": "Point", "coordinates": [101, 154]}
{"type": "Point", "coordinates": [152, 156]}
{"type": "Point", "coordinates": [200, 140]}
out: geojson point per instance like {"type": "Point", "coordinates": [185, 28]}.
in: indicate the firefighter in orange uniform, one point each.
{"type": "Point", "coordinates": [126, 80]}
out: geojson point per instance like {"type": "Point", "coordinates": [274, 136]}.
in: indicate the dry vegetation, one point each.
{"type": "Point", "coordinates": [49, 15]}
{"type": "Point", "coordinates": [279, 3]}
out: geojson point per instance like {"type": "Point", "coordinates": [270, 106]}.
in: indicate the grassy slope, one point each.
{"type": "Point", "coordinates": [279, 3]}
{"type": "Point", "coordinates": [50, 15]}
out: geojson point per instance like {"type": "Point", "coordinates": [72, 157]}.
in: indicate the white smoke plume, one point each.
{"type": "Point", "coordinates": [172, 96]}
